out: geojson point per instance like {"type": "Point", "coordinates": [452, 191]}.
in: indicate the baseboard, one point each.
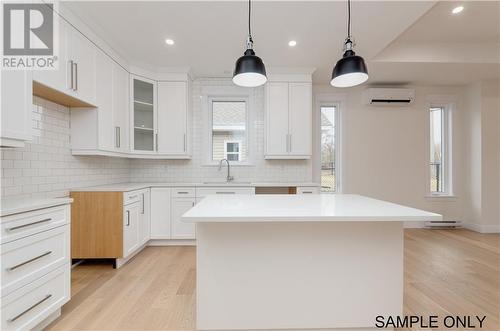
{"type": "Point", "coordinates": [488, 228]}
{"type": "Point", "coordinates": [413, 225]}
{"type": "Point", "coordinates": [172, 242]}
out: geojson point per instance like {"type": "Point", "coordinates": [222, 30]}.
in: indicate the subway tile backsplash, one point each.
{"type": "Point", "coordinates": [46, 168]}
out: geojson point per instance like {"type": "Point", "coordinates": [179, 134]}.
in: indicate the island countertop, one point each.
{"type": "Point", "coordinates": [299, 208]}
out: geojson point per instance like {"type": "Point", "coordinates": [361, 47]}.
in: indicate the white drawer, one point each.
{"type": "Point", "coordinates": [183, 192]}
{"type": "Point", "coordinates": [204, 191]}
{"type": "Point", "coordinates": [26, 224]}
{"type": "Point", "coordinates": [131, 197]}
{"type": "Point", "coordinates": [31, 304]}
{"type": "Point", "coordinates": [26, 259]}
{"type": "Point", "coordinates": [308, 190]}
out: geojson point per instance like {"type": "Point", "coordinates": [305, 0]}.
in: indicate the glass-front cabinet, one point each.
{"type": "Point", "coordinates": [144, 114]}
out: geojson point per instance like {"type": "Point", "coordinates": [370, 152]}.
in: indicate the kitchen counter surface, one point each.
{"type": "Point", "coordinates": [125, 187]}
{"type": "Point", "coordinates": [297, 208]}
{"type": "Point", "coordinates": [16, 206]}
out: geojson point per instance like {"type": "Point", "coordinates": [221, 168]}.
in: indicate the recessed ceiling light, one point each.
{"type": "Point", "coordinates": [457, 10]}
{"type": "Point", "coordinates": [169, 41]}
{"type": "Point", "coordinates": [292, 43]}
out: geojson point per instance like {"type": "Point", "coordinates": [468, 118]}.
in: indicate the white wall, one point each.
{"type": "Point", "coordinates": [196, 170]}
{"type": "Point", "coordinates": [384, 150]}
{"type": "Point", "coordinates": [45, 166]}
{"type": "Point", "coordinates": [483, 156]}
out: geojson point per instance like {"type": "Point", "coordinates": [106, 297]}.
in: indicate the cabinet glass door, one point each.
{"type": "Point", "coordinates": [143, 115]}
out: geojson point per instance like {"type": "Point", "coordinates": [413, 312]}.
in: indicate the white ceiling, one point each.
{"type": "Point", "coordinates": [209, 36]}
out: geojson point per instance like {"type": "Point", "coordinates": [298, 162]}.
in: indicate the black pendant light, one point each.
{"type": "Point", "coordinates": [249, 70]}
{"type": "Point", "coordinates": [350, 70]}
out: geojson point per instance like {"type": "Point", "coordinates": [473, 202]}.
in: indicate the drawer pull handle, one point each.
{"type": "Point", "coordinates": [225, 192]}
{"type": "Point", "coordinates": [29, 261]}
{"type": "Point", "coordinates": [182, 192]}
{"type": "Point", "coordinates": [29, 224]}
{"type": "Point", "coordinates": [132, 197]}
{"type": "Point", "coordinates": [13, 319]}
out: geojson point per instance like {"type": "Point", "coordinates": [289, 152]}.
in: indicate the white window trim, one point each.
{"type": "Point", "coordinates": [338, 101]}
{"type": "Point", "coordinates": [232, 142]}
{"type": "Point", "coordinates": [226, 93]}
{"type": "Point", "coordinates": [448, 104]}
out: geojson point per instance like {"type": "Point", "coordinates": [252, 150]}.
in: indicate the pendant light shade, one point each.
{"type": "Point", "coordinates": [351, 69]}
{"type": "Point", "coordinates": [249, 70]}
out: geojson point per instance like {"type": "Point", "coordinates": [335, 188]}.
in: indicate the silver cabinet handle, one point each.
{"type": "Point", "coordinates": [76, 76]}
{"type": "Point", "coordinates": [225, 192]}
{"type": "Point", "coordinates": [290, 143]}
{"type": "Point", "coordinates": [287, 143]}
{"type": "Point", "coordinates": [13, 319]}
{"type": "Point", "coordinates": [29, 261]}
{"type": "Point", "coordinates": [71, 85]}
{"type": "Point", "coordinates": [128, 218]}
{"type": "Point", "coordinates": [193, 203]}
{"type": "Point", "coordinates": [117, 136]}
{"type": "Point", "coordinates": [143, 198]}
{"type": "Point", "coordinates": [132, 197]}
{"type": "Point", "coordinates": [157, 142]}
{"type": "Point", "coordinates": [185, 143]}
{"type": "Point", "coordinates": [306, 192]}
{"type": "Point", "coordinates": [182, 192]}
{"type": "Point", "coordinates": [29, 224]}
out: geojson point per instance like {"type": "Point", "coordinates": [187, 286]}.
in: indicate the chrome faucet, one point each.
{"type": "Point", "coordinates": [229, 177]}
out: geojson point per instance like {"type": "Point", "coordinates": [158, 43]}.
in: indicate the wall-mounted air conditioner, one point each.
{"type": "Point", "coordinates": [389, 96]}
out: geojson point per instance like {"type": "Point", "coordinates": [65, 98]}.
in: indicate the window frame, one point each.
{"type": "Point", "coordinates": [447, 105]}
{"type": "Point", "coordinates": [337, 104]}
{"type": "Point", "coordinates": [229, 96]}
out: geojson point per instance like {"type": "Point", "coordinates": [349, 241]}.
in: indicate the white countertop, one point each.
{"type": "Point", "coordinates": [125, 187]}
{"type": "Point", "coordinates": [297, 208]}
{"type": "Point", "coordinates": [15, 206]}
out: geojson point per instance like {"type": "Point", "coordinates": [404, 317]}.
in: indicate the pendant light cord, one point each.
{"type": "Point", "coordinates": [249, 17]}
{"type": "Point", "coordinates": [349, 19]}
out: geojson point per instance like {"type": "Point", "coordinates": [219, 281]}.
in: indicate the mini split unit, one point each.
{"type": "Point", "coordinates": [388, 96]}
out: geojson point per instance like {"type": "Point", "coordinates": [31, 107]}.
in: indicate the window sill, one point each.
{"type": "Point", "coordinates": [441, 197]}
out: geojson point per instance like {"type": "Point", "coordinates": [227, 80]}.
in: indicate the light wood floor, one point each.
{"type": "Point", "coordinates": [447, 272]}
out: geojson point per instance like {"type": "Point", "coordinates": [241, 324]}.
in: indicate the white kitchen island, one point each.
{"type": "Point", "coordinates": [299, 262]}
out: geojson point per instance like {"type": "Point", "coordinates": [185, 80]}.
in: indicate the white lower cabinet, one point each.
{"type": "Point", "coordinates": [35, 266]}
{"type": "Point", "coordinates": [131, 228]}
{"type": "Point", "coordinates": [160, 212]}
{"type": "Point", "coordinates": [181, 230]}
{"type": "Point", "coordinates": [145, 217]}
{"type": "Point", "coordinates": [308, 190]}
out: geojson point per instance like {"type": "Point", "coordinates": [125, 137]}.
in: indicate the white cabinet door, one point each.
{"type": "Point", "coordinates": [172, 118]}
{"type": "Point", "coordinates": [104, 100]}
{"type": "Point", "coordinates": [160, 213]}
{"type": "Point", "coordinates": [181, 230]}
{"type": "Point", "coordinates": [131, 228]}
{"type": "Point", "coordinates": [82, 54]}
{"type": "Point", "coordinates": [57, 79]}
{"type": "Point", "coordinates": [121, 111]}
{"type": "Point", "coordinates": [145, 217]}
{"type": "Point", "coordinates": [277, 119]}
{"type": "Point", "coordinates": [16, 106]}
{"type": "Point", "coordinates": [300, 123]}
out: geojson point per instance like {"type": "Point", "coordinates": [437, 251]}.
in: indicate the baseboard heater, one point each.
{"type": "Point", "coordinates": [443, 224]}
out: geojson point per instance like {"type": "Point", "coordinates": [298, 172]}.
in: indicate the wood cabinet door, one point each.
{"type": "Point", "coordinates": [277, 119]}
{"type": "Point", "coordinates": [300, 122]}
{"type": "Point", "coordinates": [181, 230]}
{"type": "Point", "coordinates": [172, 118]}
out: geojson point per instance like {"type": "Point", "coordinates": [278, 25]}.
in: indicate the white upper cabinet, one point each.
{"type": "Point", "coordinates": [173, 119]}
{"type": "Point", "coordinates": [58, 79]}
{"type": "Point", "coordinates": [104, 100]}
{"type": "Point", "coordinates": [288, 120]}
{"type": "Point", "coordinates": [121, 112]}
{"type": "Point", "coordinates": [82, 65]}
{"type": "Point", "coordinates": [16, 105]}
{"type": "Point", "coordinates": [143, 115]}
